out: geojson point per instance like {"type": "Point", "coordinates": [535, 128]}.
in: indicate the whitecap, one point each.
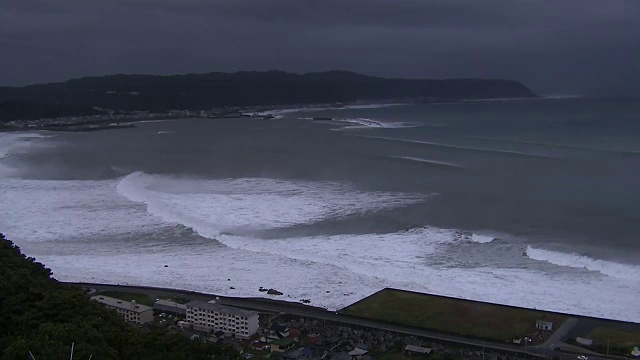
{"type": "Point", "coordinates": [613, 269]}
{"type": "Point", "coordinates": [226, 205]}
{"type": "Point", "coordinates": [482, 239]}
{"type": "Point", "coordinates": [364, 123]}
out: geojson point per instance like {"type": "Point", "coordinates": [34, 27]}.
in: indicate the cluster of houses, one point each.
{"type": "Point", "coordinates": [284, 336]}
{"type": "Point", "coordinates": [301, 339]}
{"type": "Point", "coordinates": [294, 338]}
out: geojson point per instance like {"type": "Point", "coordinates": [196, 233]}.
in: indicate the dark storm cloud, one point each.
{"type": "Point", "coordinates": [555, 46]}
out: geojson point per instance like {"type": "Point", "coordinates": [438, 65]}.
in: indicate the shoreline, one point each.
{"type": "Point", "coordinates": [555, 345]}
{"type": "Point", "coordinates": [263, 112]}
{"type": "Point", "coordinates": [299, 304]}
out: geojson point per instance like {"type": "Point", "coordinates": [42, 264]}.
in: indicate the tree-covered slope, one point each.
{"type": "Point", "coordinates": [204, 91]}
{"type": "Point", "coordinates": [40, 315]}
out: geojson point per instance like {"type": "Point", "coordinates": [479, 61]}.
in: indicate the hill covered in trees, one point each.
{"type": "Point", "coordinates": [206, 91]}
{"type": "Point", "coordinates": [40, 315]}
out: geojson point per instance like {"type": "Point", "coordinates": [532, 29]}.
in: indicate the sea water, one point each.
{"type": "Point", "coordinates": [530, 203]}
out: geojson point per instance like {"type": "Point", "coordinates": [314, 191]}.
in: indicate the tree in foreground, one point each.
{"type": "Point", "coordinates": [42, 316]}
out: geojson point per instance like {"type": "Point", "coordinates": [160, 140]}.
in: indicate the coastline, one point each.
{"type": "Point", "coordinates": [259, 112]}
{"type": "Point", "coordinates": [558, 344]}
{"type": "Point", "coordinates": [300, 305]}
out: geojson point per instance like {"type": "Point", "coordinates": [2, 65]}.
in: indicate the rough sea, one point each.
{"type": "Point", "coordinates": [531, 203]}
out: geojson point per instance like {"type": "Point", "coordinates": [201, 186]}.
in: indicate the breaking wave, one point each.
{"type": "Point", "coordinates": [364, 123]}
{"type": "Point", "coordinates": [482, 239]}
{"type": "Point", "coordinates": [369, 123]}
{"type": "Point", "coordinates": [12, 141]}
{"type": "Point", "coordinates": [617, 270]}
{"type": "Point", "coordinates": [212, 207]}
{"type": "Point", "coordinates": [392, 256]}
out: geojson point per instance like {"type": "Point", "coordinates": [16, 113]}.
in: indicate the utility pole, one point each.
{"type": "Point", "coordinates": [607, 346]}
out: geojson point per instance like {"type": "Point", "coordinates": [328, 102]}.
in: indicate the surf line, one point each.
{"type": "Point", "coordinates": [467, 148]}
{"type": "Point", "coordinates": [428, 162]}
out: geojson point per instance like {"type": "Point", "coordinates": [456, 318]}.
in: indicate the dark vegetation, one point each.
{"type": "Point", "coordinates": [40, 315]}
{"type": "Point", "coordinates": [21, 110]}
{"type": "Point", "coordinates": [206, 91]}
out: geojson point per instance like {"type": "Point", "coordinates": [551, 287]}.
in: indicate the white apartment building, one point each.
{"type": "Point", "coordinates": [129, 310]}
{"type": "Point", "coordinates": [212, 316]}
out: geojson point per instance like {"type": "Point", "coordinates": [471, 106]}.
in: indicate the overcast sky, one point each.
{"type": "Point", "coordinates": [553, 46]}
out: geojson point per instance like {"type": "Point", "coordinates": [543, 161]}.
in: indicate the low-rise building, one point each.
{"type": "Point", "coordinates": [129, 310]}
{"type": "Point", "coordinates": [212, 316]}
{"type": "Point", "coordinates": [282, 345]}
{"type": "Point", "coordinates": [169, 306]}
{"type": "Point", "coordinates": [544, 325]}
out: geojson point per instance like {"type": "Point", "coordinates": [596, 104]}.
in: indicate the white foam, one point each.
{"type": "Point", "coordinates": [337, 270]}
{"type": "Point", "coordinates": [206, 269]}
{"type": "Point", "coordinates": [277, 113]}
{"type": "Point", "coordinates": [74, 227]}
{"type": "Point", "coordinates": [51, 210]}
{"type": "Point", "coordinates": [15, 143]}
{"type": "Point", "coordinates": [364, 123]}
{"type": "Point", "coordinates": [227, 205]}
{"type": "Point", "coordinates": [14, 140]}
{"type": "Point", "coordinates": [366, 254]}
{"type": "Point", "coordinates": [482, 239]}
{"type": "Point", "coordinates": [428, 161]}
{"type": "Point", "coordinates": [621, 271]}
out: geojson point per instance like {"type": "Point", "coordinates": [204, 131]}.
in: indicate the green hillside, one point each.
{"type": "Point", "coordinates": [40, 315]}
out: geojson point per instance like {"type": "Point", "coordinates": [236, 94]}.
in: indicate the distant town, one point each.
{"type": "Point", "coordinates": [110, 119]}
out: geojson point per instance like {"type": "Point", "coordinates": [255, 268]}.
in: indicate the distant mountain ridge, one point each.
{"type": "Point", "coordinates": [248, 88]}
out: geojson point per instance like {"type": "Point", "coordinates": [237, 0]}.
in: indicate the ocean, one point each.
{"type": "Point", "coordinates": [532, 203]}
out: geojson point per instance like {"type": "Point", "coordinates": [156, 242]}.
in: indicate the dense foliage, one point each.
{"type": "Point", "coordinates": [205, 91]}
{"type": "Point", "coordinates": [40, 315]}
{"type": "Point", "coordinates": [14, 110]}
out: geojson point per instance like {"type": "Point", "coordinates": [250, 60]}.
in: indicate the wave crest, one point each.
{"type": "Point", "coordinates": [212, 207]}
{"type": "Point", "coordinates": [617, 270]}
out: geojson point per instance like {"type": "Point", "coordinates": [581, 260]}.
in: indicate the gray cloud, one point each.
{"type": "Point", "coordinates": [554, 46]}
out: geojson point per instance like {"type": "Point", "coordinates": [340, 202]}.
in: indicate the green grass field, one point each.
{"type": "Point", "coordinates": [617, 338]}
{"type": "Point", "coordinates": [139, 298]}
{"type": "Point", "coordinates": [449, 315]}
